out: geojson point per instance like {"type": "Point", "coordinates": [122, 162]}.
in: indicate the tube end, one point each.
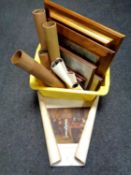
{"type": "Point", "coordinates": [38, 11]}
{"type": "Point", "coordinates": [16, 56]}
{"type": "Point", "coordinates": [49, 24]}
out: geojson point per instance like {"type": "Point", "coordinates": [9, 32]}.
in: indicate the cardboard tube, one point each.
{"type": "Point", "coordinates": [44, 58]}
{"type": "Point", "coordinates": [51, 39]}
{"type": "Point", "coordinates": [39, 16]}
{"type": "Point", "coordinates": [24, 61]}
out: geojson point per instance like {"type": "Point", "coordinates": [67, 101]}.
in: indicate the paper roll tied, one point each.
{"type": "Point", "coordinates": [24, 61]}
{"type": "Point", "coordinates": [39, 16]}
{"type": "Point", "coordinates": [51, 40]}
{"type": "Point", "coordinates": [59, 68]}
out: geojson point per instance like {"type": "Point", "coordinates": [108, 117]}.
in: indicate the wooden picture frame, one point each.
{"type": "Point", "coordinates": [105, 54]}
{"type": "Point", "coordinates": [79, 65]}
{"type": "Point", "coordinates": [87, 33]}
{"type": "Point", "coordinates": [116, 37]}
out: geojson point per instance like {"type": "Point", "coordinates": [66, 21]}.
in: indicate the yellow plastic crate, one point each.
{"type": "Point", "coordinates": [63, 93]}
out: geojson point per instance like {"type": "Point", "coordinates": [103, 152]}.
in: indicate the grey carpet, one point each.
{"type": "Point", "coordinates": [22, 144]}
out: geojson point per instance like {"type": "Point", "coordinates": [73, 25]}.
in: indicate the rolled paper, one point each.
{"type": "Point", "coordinates": [72, 76]}
{"type": "Point", "coordinates": [59, 68]}
{"type": "Point", "coordinates": [51, 40]}
{"type": "Point", "coordinates": [74, 80]}
{"type": "Point", "coordinates": [60, 71]}
{"type": "Point", "coordinates": [44, 58]}
{"type": "Point", "coordinates": [39, 16]}
{"type": "Point", "coordinates": [62, 63]}
{"type": "Point", "coordinates": [24, 61]}
{"type": "Point", "coordinates": [80, 79]}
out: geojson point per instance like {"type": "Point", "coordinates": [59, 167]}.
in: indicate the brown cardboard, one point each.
{"type": "Point", "coordinates": [51, 40]}
{"type": "Point", "coordinates": [39, 16]}
{"type": "Point", "coordinates": [44, 58]}
{"type": "Point", "coordinates": [24, 61]}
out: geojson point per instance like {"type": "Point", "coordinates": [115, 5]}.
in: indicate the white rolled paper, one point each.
{"type": "Point", "coordinates": [74, 80]}
{"type": "Point", "coordinates": [59, 68]}
{"type": "Point", "coordinates": [72, 76]}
